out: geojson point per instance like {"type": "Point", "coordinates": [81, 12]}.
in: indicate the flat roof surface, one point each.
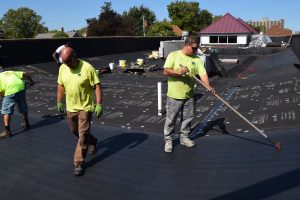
{"type": "Point", "coordinates": [230, 160]}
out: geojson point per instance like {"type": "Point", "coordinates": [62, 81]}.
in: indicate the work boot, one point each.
{"type": "Point", "coordinates": [79, 169]}
{"type": "Point", "coordinates": [92, 149]}
{"type": "Point", "coordinates": [25, 126]}
{"type": "Point", "coordinates": [168, 146]}
{"type": "Point", "coordinates": [187, 142]}
{"type": "Point", "coordinates": [5, 134]}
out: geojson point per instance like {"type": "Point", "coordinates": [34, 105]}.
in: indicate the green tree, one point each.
{"type": "Point", "coordinates": [188, 16]}
{"type": "Point", "coordinates": [163, 28]}
{"type": "Point", "coordinates": [22, 23]}
{"type": "Point", "coordinates": [205, 19]}
{"type": "Point", "coordinates": [82, 31]}
{"type": "Point", "coordinates": [216, 17]}
{"type": "Point", "coordinates": [258, 28]}
{"type": "Point", "coordinates": [60, 34]}
{"type": "Point", "coordinates": [136, 15]}
{"type": "Point", "coordinates": [108, 23]}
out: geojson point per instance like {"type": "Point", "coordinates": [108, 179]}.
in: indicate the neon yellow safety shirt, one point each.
{"type": "Point", "coordinates": [78, 84]}
{"type": "Point", "coordinates": [183, 87]}
{"type": "Point", "coordinates": [11, 82]}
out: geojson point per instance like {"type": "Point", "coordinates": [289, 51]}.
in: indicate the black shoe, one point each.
{"type": "Point", "coordinates": [25, 126]}
{"type": "Point", "coordinates": [5, 134]}
{"type": "Point", "coordinates": [92, 149]}
{"type": "Point", "coordinates": [79, 169]}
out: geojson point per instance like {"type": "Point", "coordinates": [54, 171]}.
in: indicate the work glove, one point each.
{"type": "Point", "coordinates": [60, 107]}
{"type": "Point", "coordinates": [99, 110]}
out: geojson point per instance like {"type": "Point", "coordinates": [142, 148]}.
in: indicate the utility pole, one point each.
{"type": "Point", "coordinates": [144, 25]}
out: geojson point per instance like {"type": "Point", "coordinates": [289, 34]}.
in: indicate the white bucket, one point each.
{"type": "Point", "coordinates": [111, 66]}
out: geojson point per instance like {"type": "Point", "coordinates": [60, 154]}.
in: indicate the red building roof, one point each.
{"type": "Point", "coordinates": [228, 24]}
{"type": "Point", "coordinates": [277, 30]}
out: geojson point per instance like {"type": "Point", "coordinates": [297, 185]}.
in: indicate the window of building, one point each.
{"type": "Point", "coordinates": [232, 39]}
{"type": "Point", "coordinates": [213, 39]}
{"type": "Point", "coordinates": [223, 39]}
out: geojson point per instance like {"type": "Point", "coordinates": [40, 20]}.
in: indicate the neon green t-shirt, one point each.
{"type": "Point", "coordinates": [183, 87]}
{"type": "Point", "coordinates": [11, 82]}
{"type": "Point", "coordinates": [78, 84]}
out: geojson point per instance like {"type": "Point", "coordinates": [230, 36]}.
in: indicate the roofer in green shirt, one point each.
{"type": "Point", "coordinates": [78, 80]}
{"type": "Point", "coordinates": [12, 87]}
{"type": "Point", "coordinates": [180, 96]}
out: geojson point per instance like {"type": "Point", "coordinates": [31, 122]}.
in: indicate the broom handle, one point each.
{"type": "Point", "coordinates": [227, 104]}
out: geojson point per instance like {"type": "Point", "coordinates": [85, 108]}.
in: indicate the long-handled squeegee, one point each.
{"type": "Point", "coordinates": [277, 145]}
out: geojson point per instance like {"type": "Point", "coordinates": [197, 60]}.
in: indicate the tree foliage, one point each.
{"type": "Point", "coordinates": [135, 16]}
{"type": "Point", "coordinates": [258, 28]}
{"type": "Point", "coordinates": [22, 23]}
{"type": "Point", "coordinates": [205, 19]}
{"type": "Point", "coordinates": [163, 28]}
{"type": "Point", "coordinates": [108, 23]}
{"type": "Point", "coordinates": [82, 31]}
{"type": "Point", "coordinates": [188, 16]}
{"type": "Point", "coordinates": [216, 17]}
{"type": "Point", "coordinates": [60, 34]}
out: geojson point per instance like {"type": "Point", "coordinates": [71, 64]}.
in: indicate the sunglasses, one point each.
{"type": "Point", "coordinates": [194, 48]}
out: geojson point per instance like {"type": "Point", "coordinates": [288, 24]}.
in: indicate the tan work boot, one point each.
{"type": "Point", "coordinates": [168, 146]}
{"type": "Point", "coordinates": [187, 142]}
{"type": "Point", "coordinates": [5, 134]}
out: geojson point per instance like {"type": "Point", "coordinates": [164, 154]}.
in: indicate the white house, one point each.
{"type": "Point", "coordinates": [227, 30]}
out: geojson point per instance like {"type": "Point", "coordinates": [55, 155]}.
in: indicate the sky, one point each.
{"type": "Point", "coordinates": [72, 14]}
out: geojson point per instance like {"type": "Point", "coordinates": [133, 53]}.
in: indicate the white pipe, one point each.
{"type": "Point", "coordinates": [228, 60]}
{"type": "Point", "coordinates": [159, 99]}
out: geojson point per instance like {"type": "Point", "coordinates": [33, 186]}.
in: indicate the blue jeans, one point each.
{"type": "Point", "coordinates": [175, 106]}
{"type": "Point", "coordinates": [9, 102]}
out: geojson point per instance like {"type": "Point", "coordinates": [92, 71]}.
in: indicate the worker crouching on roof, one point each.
{"type": "Point", "coordinates": [12, 88]}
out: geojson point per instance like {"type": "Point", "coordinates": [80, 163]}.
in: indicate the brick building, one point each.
{"type": "Point", "coordinates": [277, 30]}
